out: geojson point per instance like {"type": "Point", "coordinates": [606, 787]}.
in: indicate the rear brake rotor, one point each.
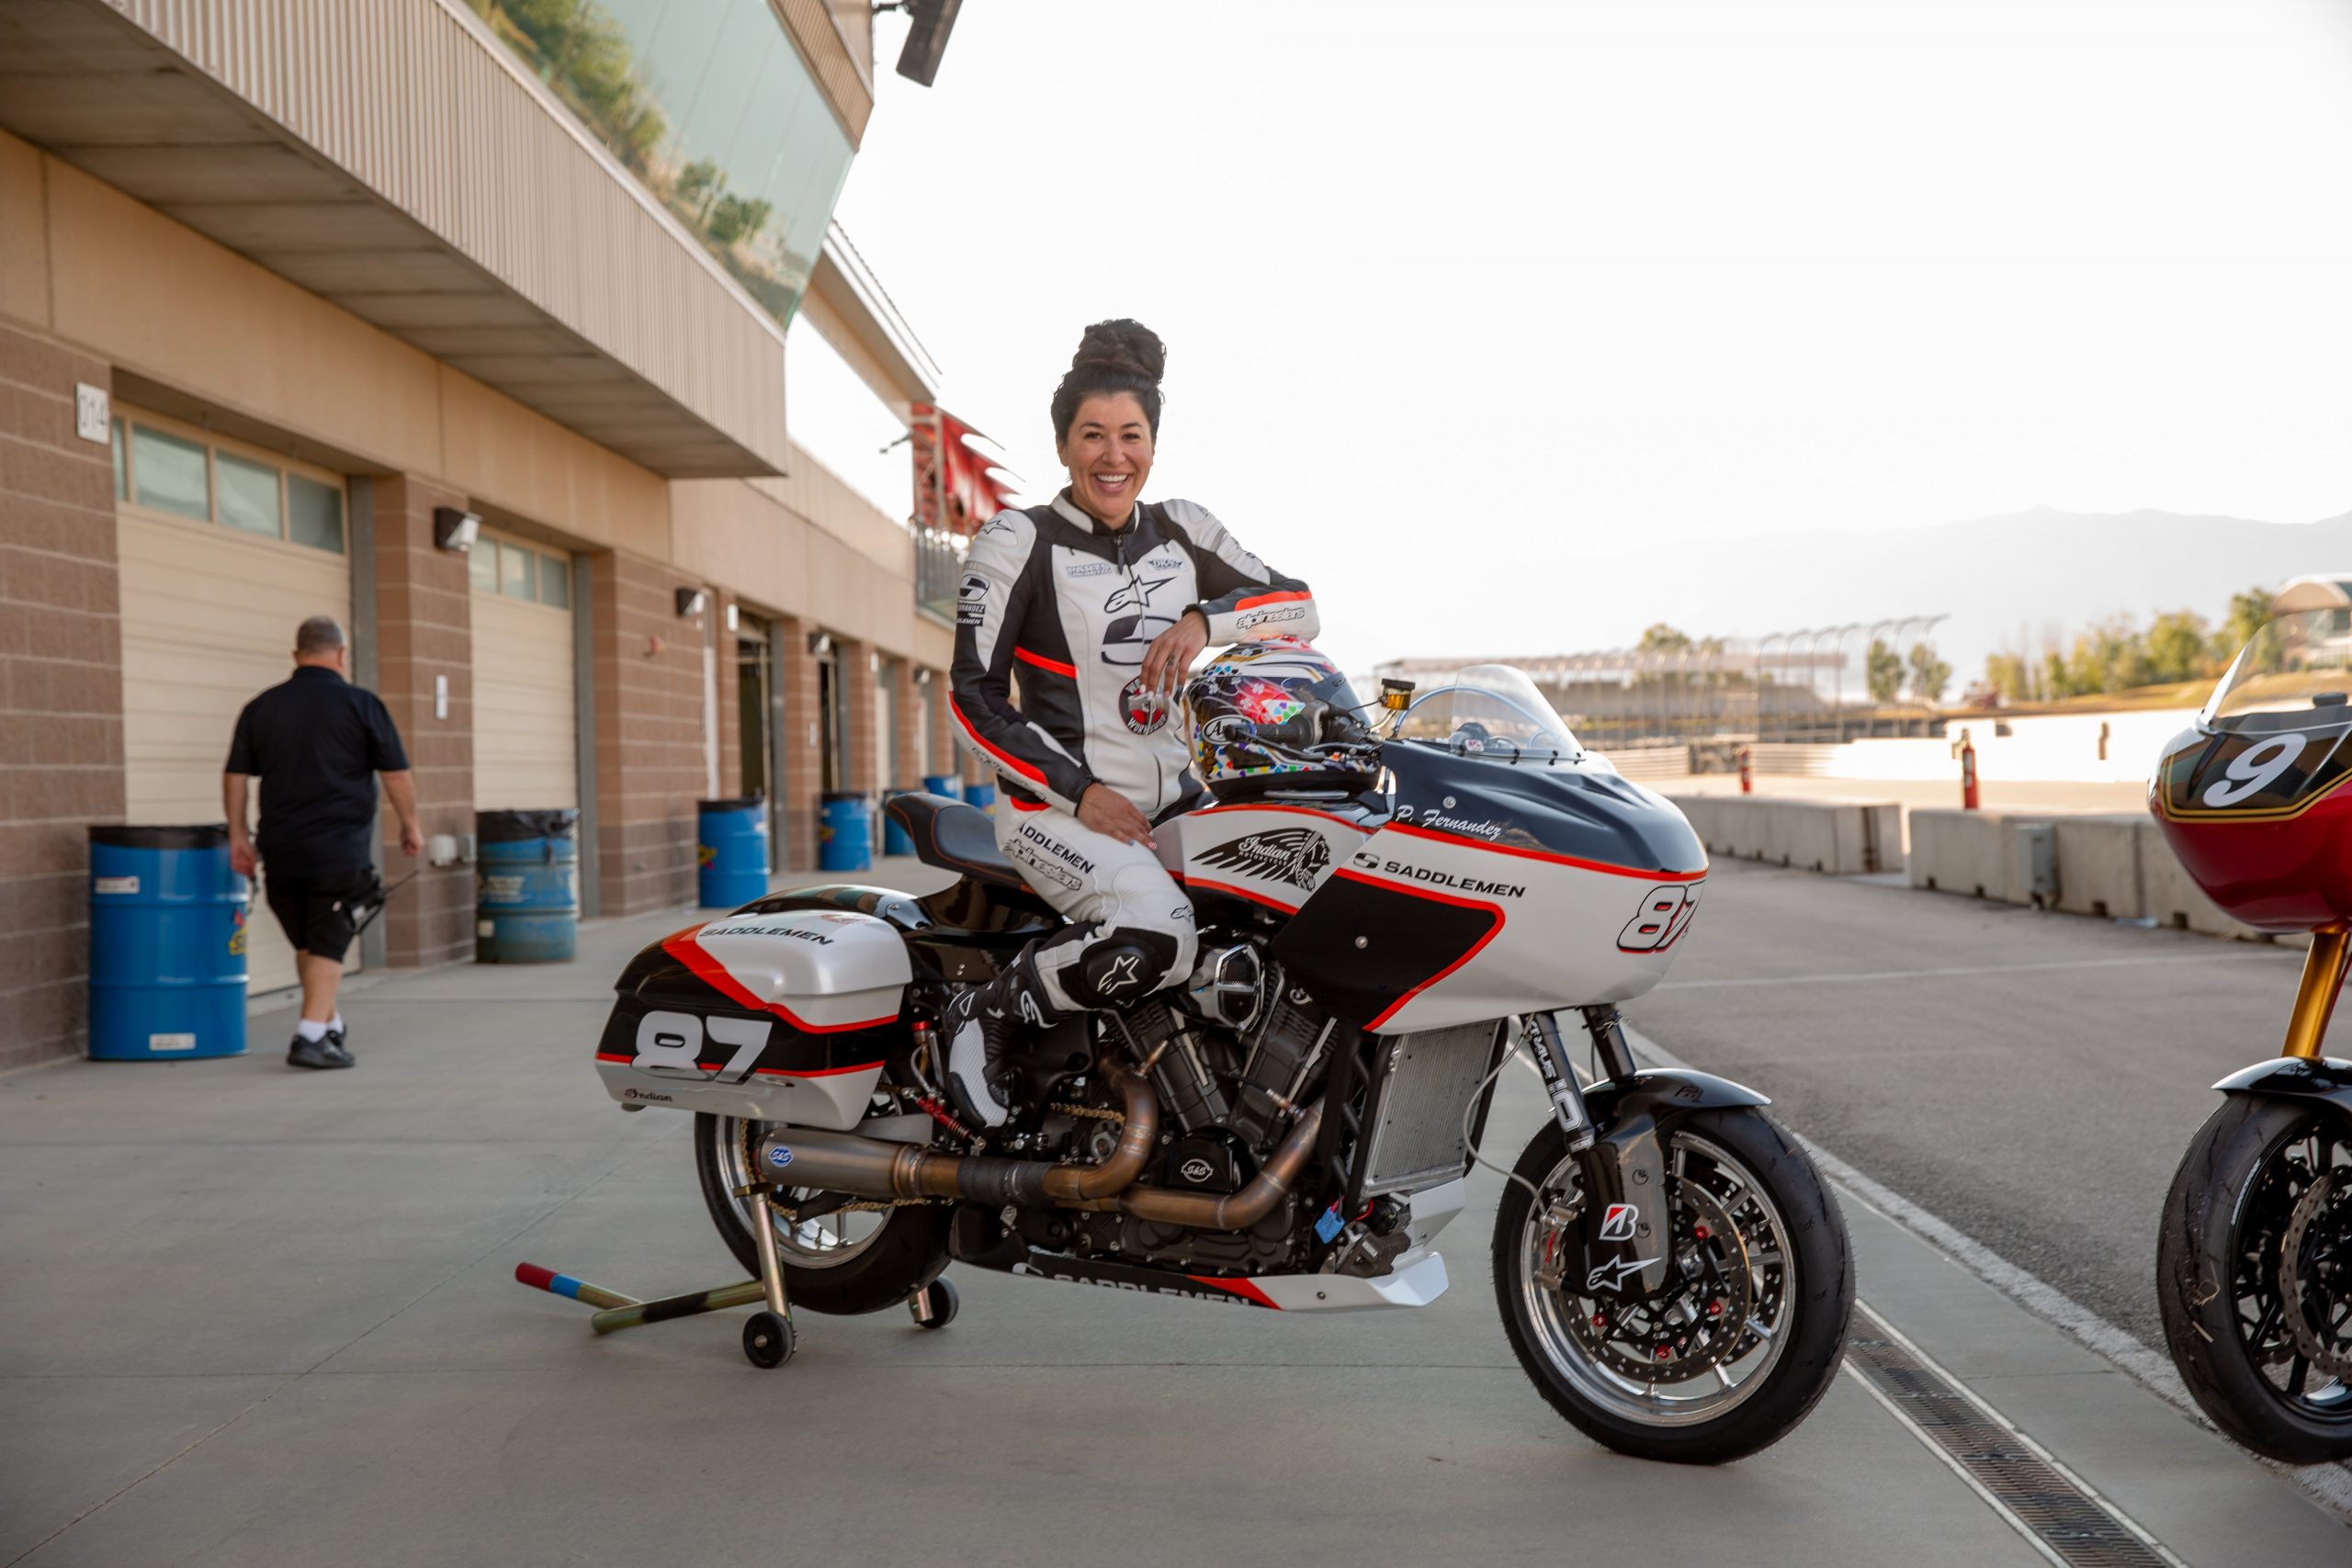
{"type": "Point", "coordinates": [2311, 1302]}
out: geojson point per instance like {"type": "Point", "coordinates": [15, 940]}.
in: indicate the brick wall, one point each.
{"type": "Point", "coordinates": [649, 675]}
{"type": "Point", "coordinates": [804, 759]}
{"type": "Point", "coordinates": [61, 692]}
{"type": "Point", "coordinates": [908, 738]}
{"type": "Point", "coordinates": [730, 709]}
{"type": "Point", "coordinates": [423, 632]}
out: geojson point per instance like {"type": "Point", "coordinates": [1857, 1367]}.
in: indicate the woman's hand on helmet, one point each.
{"type": "Point", "coordinates": [1105, 810]}
{"type": "Point", "coordinates": [1172, 653]}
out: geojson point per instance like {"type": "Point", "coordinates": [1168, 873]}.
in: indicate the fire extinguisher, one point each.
{"type": "Point", "coordinates": [1967, 773]}
{"type": "Point", "coordinates": [1747, 773]}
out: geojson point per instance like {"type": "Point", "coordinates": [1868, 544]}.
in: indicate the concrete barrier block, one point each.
{"type": "Point", "coordinates": [1841, 838]}
{"type": "Point", "coordinates": [2173, 897]}
{"type": "Point", "coordinates": [1973, 852]}
{"type": "Point", "coordinates": [2099, 866]}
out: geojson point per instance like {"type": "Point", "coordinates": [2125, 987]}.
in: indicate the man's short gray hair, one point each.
{"type": "Point", "coordinates": [319, 634]}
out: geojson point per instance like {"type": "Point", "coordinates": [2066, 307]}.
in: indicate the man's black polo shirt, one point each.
{"type": "Point", "coordinates": [316, 743]}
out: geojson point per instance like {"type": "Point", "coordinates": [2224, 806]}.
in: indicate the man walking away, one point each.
{"type": "Point", "coordinates": [316, 743]}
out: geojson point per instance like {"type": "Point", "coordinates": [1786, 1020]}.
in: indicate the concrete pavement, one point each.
{"type": "Point", "coordinates": [264, 1317]}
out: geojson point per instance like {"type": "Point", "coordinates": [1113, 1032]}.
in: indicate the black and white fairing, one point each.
{"type": "Point", "coordinates": [775, 1015]}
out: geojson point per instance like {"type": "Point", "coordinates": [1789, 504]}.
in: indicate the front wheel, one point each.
{"type": "Point", "coordinates": [2254, 1276]}
{"type": "Point", "coordinates": [849, 1259]}
{"type": "Point", "coordinates": [1744, 1340]}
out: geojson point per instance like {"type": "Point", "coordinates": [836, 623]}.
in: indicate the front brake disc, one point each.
{"type": "Point", "coordinates": [2311, 1314]}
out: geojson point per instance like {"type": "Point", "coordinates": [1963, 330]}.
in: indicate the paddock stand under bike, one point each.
{"type": "Point", "coordinates": [768, 1337]}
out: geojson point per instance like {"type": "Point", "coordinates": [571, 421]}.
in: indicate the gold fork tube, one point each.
{"type": "Point", "coordinates": [2324, 969]}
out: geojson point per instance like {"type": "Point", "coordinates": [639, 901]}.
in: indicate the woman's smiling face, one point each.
{"type": "Point", "coordinates": [1108, 453]}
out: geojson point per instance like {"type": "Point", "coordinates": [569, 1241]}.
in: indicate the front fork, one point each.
{"type": "Point", "coordinates": [1624, 1225]}
{"type": "Point", "coordinates": [2324, 969]}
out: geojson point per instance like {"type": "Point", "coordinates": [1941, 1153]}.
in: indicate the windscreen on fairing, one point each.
{"type": "Point", "coordinates": [1491, 710]}
{"type": "Point", "coordinates": [2292, 674]}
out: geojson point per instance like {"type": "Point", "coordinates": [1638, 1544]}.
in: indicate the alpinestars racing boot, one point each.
{"type": "Point", "coordinates": [989, 1029]}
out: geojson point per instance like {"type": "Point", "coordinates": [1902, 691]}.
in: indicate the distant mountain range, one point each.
{"type": "Point", "coordinates": [2004, 580]}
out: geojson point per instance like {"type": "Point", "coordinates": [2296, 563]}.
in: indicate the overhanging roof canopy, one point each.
{"type": "Point", "coordinates": [412, 174]}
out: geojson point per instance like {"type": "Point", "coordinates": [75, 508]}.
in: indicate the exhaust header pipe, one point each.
{"type": "Point", "coordinates": [869, 1168]}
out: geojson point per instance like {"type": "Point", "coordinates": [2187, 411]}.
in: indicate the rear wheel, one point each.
{"type": "Point", "coordinates": [1746, 1337]}
{"type": "Point", "coordinates": [858, 1258]}
{"type": "Point", "coordinates": [2254, 1276]}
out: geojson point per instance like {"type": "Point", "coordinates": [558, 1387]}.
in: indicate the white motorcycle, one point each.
{"type": "Point", "coordinates": [1292, 1129]}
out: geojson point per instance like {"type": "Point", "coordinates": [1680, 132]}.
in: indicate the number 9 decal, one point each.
{"type": "Point", "coordinates": [2255, 770]}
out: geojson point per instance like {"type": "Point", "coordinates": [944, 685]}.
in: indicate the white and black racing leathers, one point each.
{"type": "Point", "coordinates": [1053, 599]}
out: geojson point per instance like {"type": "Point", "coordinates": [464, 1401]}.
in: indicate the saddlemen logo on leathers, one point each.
{"type": "Point", "coordinates": [1296, 855]}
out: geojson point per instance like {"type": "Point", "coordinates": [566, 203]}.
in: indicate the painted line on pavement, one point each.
{"type": "Point", "coordinates": [1859, 976]}
{"type": "Point", "coordinates": [2330, 1485]}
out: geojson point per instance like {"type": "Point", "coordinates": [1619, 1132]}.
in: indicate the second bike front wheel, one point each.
{"type": "Point", "coordinates": [2254, 1276]}
{"type": "Point", "coordinates": [1746, 1339]}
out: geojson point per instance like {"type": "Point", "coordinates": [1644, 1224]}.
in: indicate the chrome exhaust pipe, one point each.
{"type": "Point", "coordinates": [870, 1168]}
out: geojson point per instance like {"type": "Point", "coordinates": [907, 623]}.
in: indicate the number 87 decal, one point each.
{"type": "Point", "coordinates": [1664, 916]}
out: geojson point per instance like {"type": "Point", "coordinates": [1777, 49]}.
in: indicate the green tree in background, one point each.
{"type": "Point", "coordinates": [736, 219]}
{"type": "Point", "coordinates": [1929, 675]}
{"type": "Point", "coordinates": [585, 57]}
{"type": "Point", "coordinates": [1883, 672]}
{"type": "Point", "coordinates": [699, 184]}
{"type": "Point", "coordinates": [2009, 674]}
{"type": "Point", "coordinates": [1663, 639]}
{"type": "Point", "coordinates": [2245, 617]}
{"type": "Point", "coordinates": [2176, 646]}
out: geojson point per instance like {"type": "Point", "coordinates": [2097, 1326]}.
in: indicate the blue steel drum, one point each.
{"type": "Point", "coordinates": [980, 794]}
{"type": "Point", "coordinates": [895, 839]}
{"type": "Point", "coordinates": [845, 832]}
{"type": "Point", "coordinates": [526, 886]}
{"type": "Point", "coordinates": [939, 784]}
{"type": "Point", "coordinates": [732, 851]}
{"type": "Point", "coordinates": [168, 944]}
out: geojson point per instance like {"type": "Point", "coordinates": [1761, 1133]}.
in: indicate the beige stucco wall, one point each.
{"type": "Point", "coordinates": [87, 263]}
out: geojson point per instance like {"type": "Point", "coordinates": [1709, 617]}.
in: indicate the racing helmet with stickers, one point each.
{"type": "Point", "coordinates": [1276, 715]}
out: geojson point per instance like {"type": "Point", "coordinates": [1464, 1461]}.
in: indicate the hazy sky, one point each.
{"type": "Point", "coordinates": [1483, 317]}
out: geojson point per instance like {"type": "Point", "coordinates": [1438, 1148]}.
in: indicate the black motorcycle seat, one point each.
{"type": "Point", "coordinates": [953, 837]}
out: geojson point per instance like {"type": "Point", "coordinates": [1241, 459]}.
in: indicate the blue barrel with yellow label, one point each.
{"type": "Point", "coordinates": [844, 831]}
{"type": "Point", "coordinates": [980, 794]}
{"type": "Point", "coordinates": [731, 852]}
{"type": "Point", "coordinates": [168, 944]}
{"type": "Point", "coordinates": [526, 886]}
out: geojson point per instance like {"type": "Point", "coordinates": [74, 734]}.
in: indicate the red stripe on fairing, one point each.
{"type": "Point", "coordinates": [614, 1057]}
{"type": "Point", "coordinates": [1242, 1288]}
{"type": "Point", "coordinates": [712, 973]}
{"type": "Point", "coordinates": [1410, 890]}
{"type": "Point", "coordinates": [1294, 810]}
{"type": "Point", "coordinates": [1026, 770]}
{"type": "Point", "coordinates": [767, 1072]}
{"type": "Point", "coordinates": [1411, 831]}
{"type": "Point", "coordinates": [1042, 663]}
{"type": "Point", "coordinates": [1275, 904]}
{"type": "Point", "coordinates": [1257, 599]}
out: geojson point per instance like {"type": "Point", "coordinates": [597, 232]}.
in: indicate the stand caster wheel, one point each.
{"type": "Point", "coordinates": [933, 1307]}
{"type": "Point", "coordinates": [767, 1340]}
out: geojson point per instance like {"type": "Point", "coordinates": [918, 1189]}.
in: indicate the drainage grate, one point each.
{"type": "Point", "coordinates": [2070, 1524]}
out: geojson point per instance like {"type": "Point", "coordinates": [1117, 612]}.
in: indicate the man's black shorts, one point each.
{"type": "Point", "coordinates": [316, 912]}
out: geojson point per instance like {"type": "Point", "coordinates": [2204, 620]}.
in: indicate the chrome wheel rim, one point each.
{"type": "Point", "coordinates": [2316, 1154]}
{"type": "Point", "coordinates": [822, 1241]}
{"type": "Point", "coordinates": [1752, 1270]}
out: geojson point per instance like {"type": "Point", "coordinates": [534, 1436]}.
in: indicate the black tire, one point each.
{"type": "Point", "coordinates": [906, 1254]}
{"type": "Point", "coordinates": [2221, 1225]}
{"type": "Point", "coordinates": [1819, 1303]}
{"type": "Point", "coordinates": [768, 1340]}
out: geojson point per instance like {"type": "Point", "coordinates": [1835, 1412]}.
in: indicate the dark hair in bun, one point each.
{"type": "Point", "coordinates": [1113, 357]}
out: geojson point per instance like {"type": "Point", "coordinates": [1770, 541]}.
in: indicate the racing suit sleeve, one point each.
{"type": "Point", "coordinates": [1241, 596]}
{"type": "Point", "coordinates": [995, 597]}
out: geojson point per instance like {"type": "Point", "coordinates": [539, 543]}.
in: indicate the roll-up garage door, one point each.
{"type": "Point", "coordinates": [525, 726]}
{"type": "Point", "coordinates": [226, 549]}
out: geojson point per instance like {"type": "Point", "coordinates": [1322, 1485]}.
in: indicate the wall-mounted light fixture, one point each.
{"type": "Point", "coordinates": [691, 603]}
{"type": "Point", "coordinates": [923, 677]}
{"type": "Point", "coordinates": [454, 530]}
{"type": "Point", "coordinates": [734, 617]}
{"type": "Point", "coordinates": [820, 643]}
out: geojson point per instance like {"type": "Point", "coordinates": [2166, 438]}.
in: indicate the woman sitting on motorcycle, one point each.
{"type": "Point", "coordinates": [1099, 602]}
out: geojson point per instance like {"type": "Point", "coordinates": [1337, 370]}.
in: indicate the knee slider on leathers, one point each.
{"type": "Point", "coordinates": [1123, 967]}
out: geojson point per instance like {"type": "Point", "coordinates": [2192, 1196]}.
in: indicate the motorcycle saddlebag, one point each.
{"type": "Point", "coordinates": [785, 1017]}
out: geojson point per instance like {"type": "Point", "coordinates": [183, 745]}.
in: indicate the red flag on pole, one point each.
{"type": "Point", "coordinates": [956, 487]}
